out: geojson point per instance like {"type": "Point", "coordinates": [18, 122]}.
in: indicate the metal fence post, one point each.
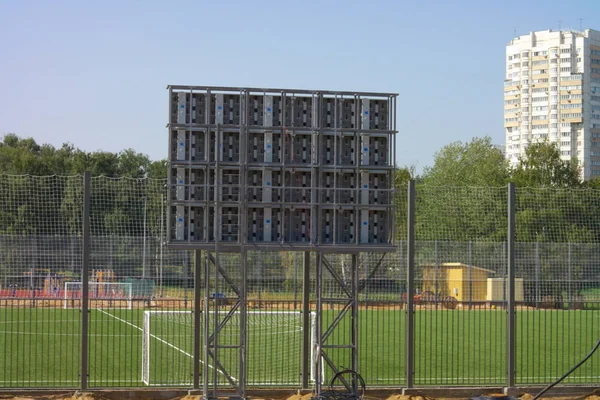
{"type": "Point", "coordinates": [570, 279]}
{"type": "Point", "coordinates": [85, 270]}
{"type": "Point", "coordinates": [410, 286]}
{"type": "Point", "coordinates": [197, 313]}
{"type": "Point", "coordinates": [510, 323]}
{"type": "Point", "coordinates": [306, 345]}
{"type": "Point", "coordinates": [538, 290]}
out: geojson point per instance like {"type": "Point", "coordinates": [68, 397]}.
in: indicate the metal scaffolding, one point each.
{"type": "Point", "coordinates": [279, 170]}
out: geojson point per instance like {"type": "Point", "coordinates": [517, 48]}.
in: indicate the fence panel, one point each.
{"type": "Point", "coordinates": [557, 285]}
{"type": "Point", "coordinates": [460, 331]}
{"type": "Point", "coordinates": [40, 247]}
{"type": "Point", "coordinates": [142, 294]}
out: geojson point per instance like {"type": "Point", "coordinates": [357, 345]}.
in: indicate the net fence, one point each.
{"type": "Point", "coordinates": [460, 303]}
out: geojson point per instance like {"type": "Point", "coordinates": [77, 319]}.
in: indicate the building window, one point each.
{"type": "Point", "coordinates": [565, 51]}
{"type": "Point", "coordinates": [565, 69]}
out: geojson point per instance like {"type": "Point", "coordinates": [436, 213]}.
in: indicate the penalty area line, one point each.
{"type": "Point", "coordinates": [157, 338]}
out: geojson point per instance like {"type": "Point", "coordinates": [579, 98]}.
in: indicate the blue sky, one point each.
{"type": "Point", "coordinates": [94, 73]}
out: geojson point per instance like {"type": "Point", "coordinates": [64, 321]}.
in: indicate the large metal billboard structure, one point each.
{"type": "Point", "coordinates": [278, 170]}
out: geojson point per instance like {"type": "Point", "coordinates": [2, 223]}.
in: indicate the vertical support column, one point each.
{"type": "Point", "coordinates": [470, 257]}
{"type": "Point", "coordinates": [410, 287]}
{"type": "Point", "coordinates": [85, 278]}
{"type": "Point", "coordinates": [355, 320]}
{"type": "Point", "coordinates": [197, 313]}
{"type": "Point", "coordinates": [538, 276]}
{"type": "Point", "coordinates": [570, 279]}
{"type": "Point", "coordinates": [243, 323]}
{"type": "Point", "coordinates": [268, 172]}
{"type": "Point", "coordinates": [319, 290]}
{"type": "Point", "coordinates": [510, 322]}
{"type": "Point", "coordinates": [206, 329]}
{"type": "Point", "coordinates": [306, 326]}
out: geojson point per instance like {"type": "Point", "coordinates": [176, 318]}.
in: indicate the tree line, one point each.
{"type": "Point", "coordinates": [461, 197]}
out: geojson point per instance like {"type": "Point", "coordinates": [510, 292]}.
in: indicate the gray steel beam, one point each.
{"type": "Point", "coordinates": [243, 325]}
{"type": "Point", "coordinates": [85, 279]}
{"type": "Point", "coordinates": [319, 283]}
{"type": "Point", "coordinates": [206, 329]}
{"type": "Point", "coordinates": [354, 301]}
{"type": "Point", "coordinates": [278, 91]}
{"type": "Point", "coordinates": [197, 314]}
{"type": "Point", "coordinates": [306, 345]}
{"type": "Point", "coordinates": [510, 322]}
{"type": "Point", "coordinates": [410, 286]}
{"type": "Point", "coordinates": [325, 249]}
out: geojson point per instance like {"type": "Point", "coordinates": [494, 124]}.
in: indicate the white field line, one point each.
{"type": "Point", "coordinates": [60, 381]}
{"type": "Point", "coordinates": [61, 334]}
{"type": "Point", "coordinates": [159, 339]}
{"type": "Point", "coordinates": [43, 321]}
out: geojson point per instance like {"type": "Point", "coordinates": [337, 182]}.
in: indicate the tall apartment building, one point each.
{"type": "Point", "coordinates": [552, 92]}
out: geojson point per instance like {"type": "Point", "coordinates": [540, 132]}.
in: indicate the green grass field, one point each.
{"type": "Point", "coordinates": [40, 347]}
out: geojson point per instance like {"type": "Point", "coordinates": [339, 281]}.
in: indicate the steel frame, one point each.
{"type": "Point", "coordinates": [212, 247]}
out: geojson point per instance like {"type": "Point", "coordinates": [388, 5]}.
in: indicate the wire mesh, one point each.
{"type": "Point", "coordinates": [460, 304]}
{"type": "Point", "coordinates": [459, 329]}
{"type": "Point", "coordinates": [40, 243]}
{"type": "Point", "coordinates": [557, 273]}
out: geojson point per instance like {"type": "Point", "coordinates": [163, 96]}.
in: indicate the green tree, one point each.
{"type": "Point", "coordinates": [542, 166]}
{"type": "Point", "coordinates": [476, 163]}
{"type": "Point", "coordinates": [462, 196]}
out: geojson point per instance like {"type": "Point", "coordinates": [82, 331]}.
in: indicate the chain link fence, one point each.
{"type": "Point", "coordinates": [141, 293]}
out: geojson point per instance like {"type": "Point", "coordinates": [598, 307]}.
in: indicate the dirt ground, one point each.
{"type": "Point", "coordinates": [115, 395]}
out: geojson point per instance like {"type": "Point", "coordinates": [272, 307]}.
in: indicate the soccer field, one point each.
{"type": "Point", "coordinates": [40, 347]}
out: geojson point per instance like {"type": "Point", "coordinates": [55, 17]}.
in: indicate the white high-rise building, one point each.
{"type": "Point", "coordinates": [552, 92]}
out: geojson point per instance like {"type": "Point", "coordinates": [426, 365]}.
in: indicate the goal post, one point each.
{"type": "Point", "coordinates": [274, 339]}
{"type": "Point", "coordinates": [98, 291]}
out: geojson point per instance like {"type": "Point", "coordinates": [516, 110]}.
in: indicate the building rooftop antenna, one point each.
{"type": "Point", "coordinates": [581, 24]}
{"type": "Point", "coordinates": [559, 24]}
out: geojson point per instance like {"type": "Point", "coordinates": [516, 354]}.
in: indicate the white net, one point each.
{"type": "Point", "coordinates": [101, 294]}
{"type": "Point", "coordinates": [274, 344]}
